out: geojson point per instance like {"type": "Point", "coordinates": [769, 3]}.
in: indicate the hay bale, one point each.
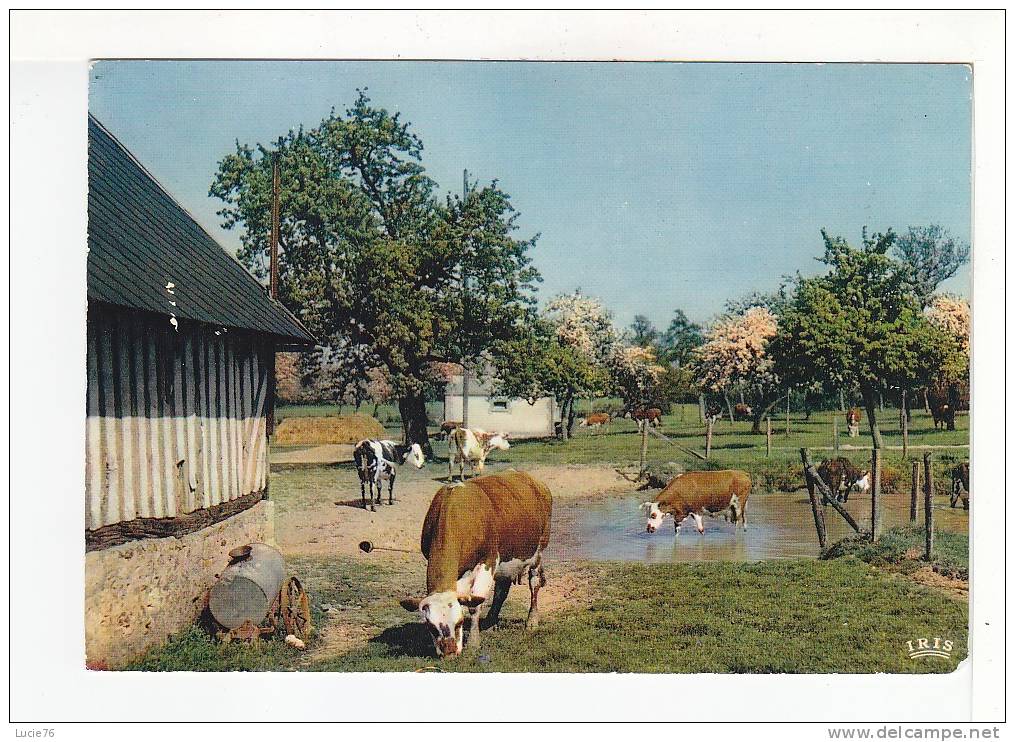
{"type": "Point", "coordinates": [297, 431]}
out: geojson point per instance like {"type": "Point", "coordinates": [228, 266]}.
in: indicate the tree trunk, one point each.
{"type": "Point", "coordinates": [842, 401]}
{"type": "Point", "coordinates": [870, 403]}
{"type": "Point", "coordinates": [565, 429]}
{"type": "Point", "coordinates": [413, 411]}
{"type": "Point", "coordinates": [701, 408]}
{"type": "Point", "coordinates": [761, 413]}
{"type": "Point", "coordinates": [570, 420]}
{"type": "Point", "coordinates": [729, 406]}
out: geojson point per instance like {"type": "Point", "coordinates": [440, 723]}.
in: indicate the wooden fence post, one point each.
{"type": "Point", "coordinates": [816, 510]}
{"type": "Point", "coordinates": [643, 426]}
{"type": "Point", "coordinates": [787, 413]}
{"type": "Point", "coordinates": [928, 504]}
{"type": "Point", "coordinates": [768, 436]}
{"type": "Point", "coordinates": [708, 436]}
{"type": "Point", "coordinates": [913, 492]}
{"type": "Point", "coordinates": [811, 475]}
{"type": "Point", "coordinates": [835, 433]}
{"type": "Point", "coordinates": [875, 494]}
{"type": "Point", "coordinates": [904, 424]}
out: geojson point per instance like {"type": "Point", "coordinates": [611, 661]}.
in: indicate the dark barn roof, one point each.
{"type": "Point", "coordinates": [140, 240]}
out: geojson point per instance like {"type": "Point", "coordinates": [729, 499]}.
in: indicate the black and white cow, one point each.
{"type": "Point", "coordinates": [376, 461]}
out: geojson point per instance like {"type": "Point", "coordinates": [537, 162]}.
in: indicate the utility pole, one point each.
{"type": "Point", "coordinates": [274, 225]}
{"type": "Point", "coordinates": [465, 289]}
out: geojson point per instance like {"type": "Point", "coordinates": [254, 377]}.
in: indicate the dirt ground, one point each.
{"type": "Point", "coordinates": [334, 524]}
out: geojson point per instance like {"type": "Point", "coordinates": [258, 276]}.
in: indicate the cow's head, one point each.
{"type": "Point", "coordinates": [863, 483]}
{"type": "Point", "coordinates": [414, 453]}
{"type": "Point", "coordinates": [444, 616]}
{"type": "Point", "coordinates": [654, 514]}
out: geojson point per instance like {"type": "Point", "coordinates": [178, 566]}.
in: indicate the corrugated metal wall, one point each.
{"type": "Point", "coordinates": [176, 419]}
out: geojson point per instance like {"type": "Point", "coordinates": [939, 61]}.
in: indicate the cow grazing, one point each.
{"type": "Point", "coordinates": [376, 461]}
{"type": "Point", "coordinates": [595, 420]}
{"type": "Point", "coordinates": [697, 493]}
{"type": "Point", "coordinates": [653, 415]}
{"type": "Point", "coordinates": [478, 538]}
{"type": "Point", "coordinates": [853, 422]}
{"type": "Point", "coordinates": [960, 485]}
{"type": "Point", "coordinates": [473, 446]}
{"type": "Point", "coordinates": [841, 477]}
{"type": "Point", "coordinates": [742, 411]}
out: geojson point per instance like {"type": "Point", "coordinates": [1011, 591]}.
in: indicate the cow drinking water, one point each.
{"type": "Point", "coordinates": [376, 461]}
{"type": "Point", "coordinates": [697, 493]}
{"type": "Point", "coordinates": [479, 538]}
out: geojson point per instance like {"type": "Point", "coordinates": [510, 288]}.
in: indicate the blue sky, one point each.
{"type": "Point", "coordinates": [654, 186]}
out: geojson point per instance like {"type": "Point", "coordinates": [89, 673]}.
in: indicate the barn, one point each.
{"type": "Point", "coordinates": [490, 411]}
{"type": "Point", "coordinates": [181, 342]}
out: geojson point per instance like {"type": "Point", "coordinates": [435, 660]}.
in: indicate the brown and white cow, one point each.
{"type": "Point", "coordinates": [473, 446]}
{"type": "Point", "coordinates": [842, 477]}
{"type": "Point", "coordinates": [853, 422]}
{"type": "Point", "coordinates": [653, 415]}
{"type": "Point", "coordinates": [595, 420]}
{"type": "Point", "coordinates": [478, 538]}
{"type": "Point", "coordinates": [742, 411]}
{"type": "Point", "coordinates": [698, 493]}
{"type": "Point", "coordinates": [446, 427]}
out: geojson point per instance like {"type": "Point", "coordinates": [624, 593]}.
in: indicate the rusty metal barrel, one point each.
{"type": "Point", "coordinates": [248, 586]}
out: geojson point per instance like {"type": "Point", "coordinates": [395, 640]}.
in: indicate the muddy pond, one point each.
{"type": "Point", "coordinates": [780, 525]}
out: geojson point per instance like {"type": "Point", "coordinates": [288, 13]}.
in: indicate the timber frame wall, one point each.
{"type": "Point", "coordinates": [177, 424]}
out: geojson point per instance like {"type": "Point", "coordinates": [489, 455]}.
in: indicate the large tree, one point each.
{"type": "Point", "coordinates": [859, 325]}
{"type": "Point", "coordinates": [643, 332]}
{"type": "Point", "coordinates": [932, 256]}
{"type": "Point", "coordinates": [369, 257]}
{"type": "Point", "coordinates": [565, 352]}
{"type": "Point", "coordinates": [677, 344]}
{"type": "Point", "coordinates": [734, 356]}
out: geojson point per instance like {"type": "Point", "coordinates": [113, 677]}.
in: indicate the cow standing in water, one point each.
{"type": "Point", "coordinates": [376, 461]}
{"type": "Point", "coordinates": [479, 538]}
{"type": "Point", "coordinates": [853, 422]}
{"type": "Point", "coordinates": [698, 493]}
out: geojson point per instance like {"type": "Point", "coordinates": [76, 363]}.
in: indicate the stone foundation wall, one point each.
{"type": "Point", "coordinates": [138, 594]}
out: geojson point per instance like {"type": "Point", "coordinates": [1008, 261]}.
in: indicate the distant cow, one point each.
{"type": "Point", "coordinates": [697, 493]}
{"type": "Point", "coordinates": [446, 427]}
{"type": "Point", "coordinates": [653, 415]}
{"type": "Point", "coordinates": [742, 411]}
{"type": "Point", "coordinates": [942, 412]}
{"type": "Point", "coordinates": [473, 446]}
{"type": "Point", "coordinates": [853, 422]}
{"type": "Point", "coordinates": [960, 485]}
{"type": "Point", "coordinates": [595, 420]}
{"type": "Point", "coordinates": [841, 477]}
{"type": "Point", "coordinates": [478, 538]}
{"type": "Point", "coordinates": [376, 461]}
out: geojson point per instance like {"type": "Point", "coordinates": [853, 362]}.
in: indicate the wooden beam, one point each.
{"type": "Point", "coordinates": [140, 528]}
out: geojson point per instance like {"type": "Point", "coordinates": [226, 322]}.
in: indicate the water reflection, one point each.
{"type": "Point", "coordinates": [780, 526]}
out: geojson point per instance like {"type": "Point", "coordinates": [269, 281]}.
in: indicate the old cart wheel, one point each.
{"type": "Point", "coordinates": [296, 609]}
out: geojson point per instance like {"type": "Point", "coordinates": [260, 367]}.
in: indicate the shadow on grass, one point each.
{"type": "Point", "coordinates": [406, 640]}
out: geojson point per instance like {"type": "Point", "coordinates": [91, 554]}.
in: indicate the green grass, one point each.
{"type": "Point", "coordinates": [896, 547]}
{"type": "Point", "coordinates": [767, 617]}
